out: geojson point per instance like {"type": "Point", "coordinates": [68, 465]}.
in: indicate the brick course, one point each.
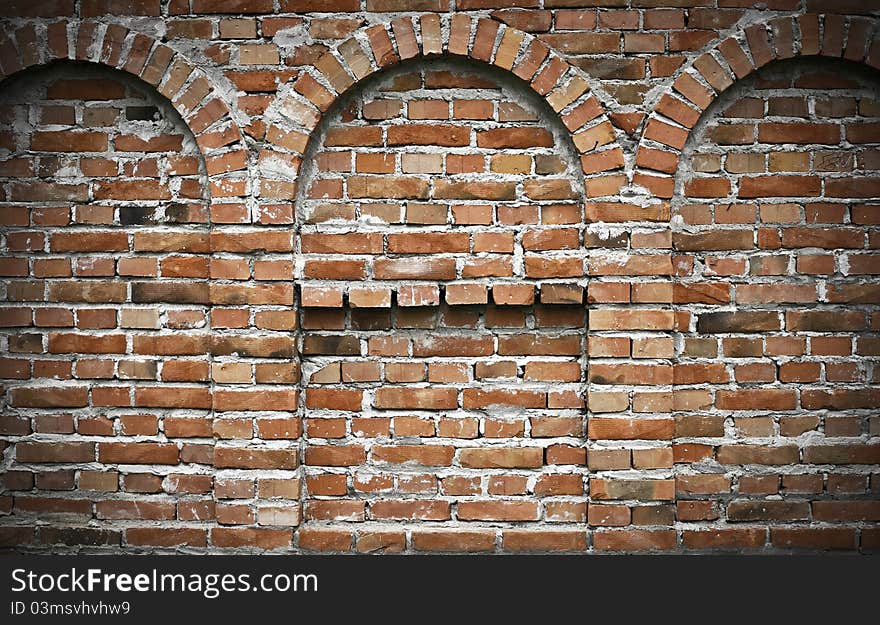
{"type": "Point", "coordinates": [532, 278]}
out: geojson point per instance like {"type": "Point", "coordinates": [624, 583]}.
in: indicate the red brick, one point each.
{"type": "Point", "coordinates": [752, 538]}
{"type": "Point", "coordinates": [416, 398]}
{"type": "Point", "coordinates": [634, 540]}
{"type": "Point", "coordinates": [453, 540]}
{"type": "Point", "coordinates": [138, 453]}
{"type": "Point", "coordinates": [253, 538]}
{"type": "Point", "coordinates": [498, 511]}
{"type": "Point", "coordinates": [810, 538]}
{"type": "Point", "coordinates": [544, 541]}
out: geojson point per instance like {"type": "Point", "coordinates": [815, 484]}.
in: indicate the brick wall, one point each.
{"type": "Point", "coordinates": [509, 276]}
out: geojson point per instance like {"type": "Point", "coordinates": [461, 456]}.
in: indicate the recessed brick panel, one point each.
{"type": "Point", "coordinates": [772, 211]}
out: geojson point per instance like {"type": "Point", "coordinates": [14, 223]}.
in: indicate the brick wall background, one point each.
{"type": "Point", "coordinates": [415, 275]}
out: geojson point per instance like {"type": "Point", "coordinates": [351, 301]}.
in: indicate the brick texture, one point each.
{"type": "Point", "coordinates": [504, 278]}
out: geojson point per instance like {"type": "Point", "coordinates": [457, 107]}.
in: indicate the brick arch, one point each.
{"type": "Point", "coordinates": [566, 89]}
{"type": "Point", "coordinates": [712, 73]}
{"type": "Point", "coordinates": [111, 45]}
{"type": "Point", "coordinates": [221, 147]}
